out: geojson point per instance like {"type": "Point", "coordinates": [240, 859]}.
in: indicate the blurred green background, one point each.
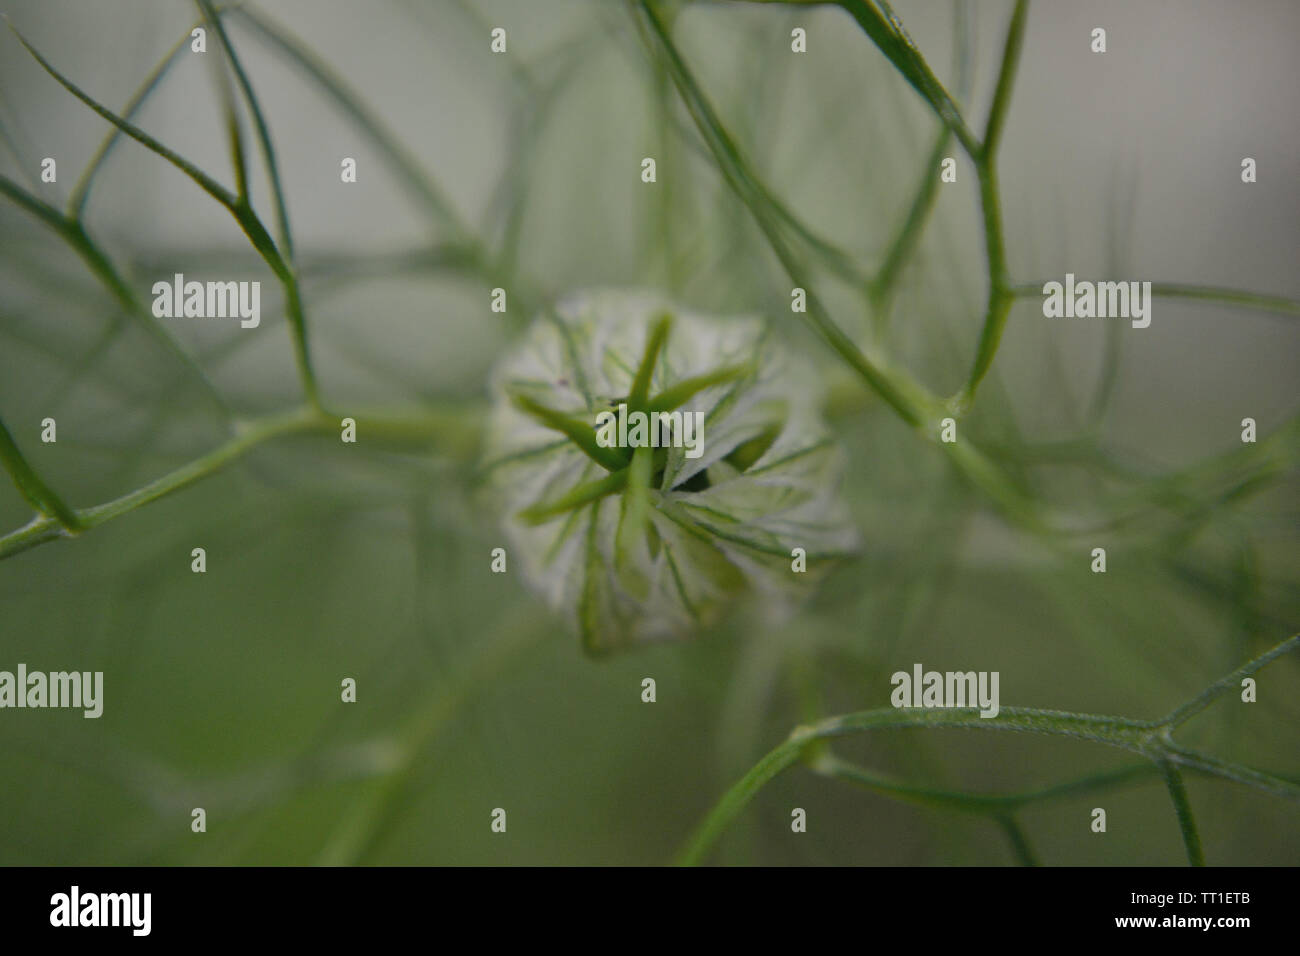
{"type": "Point", "coordinates": [371, 561]}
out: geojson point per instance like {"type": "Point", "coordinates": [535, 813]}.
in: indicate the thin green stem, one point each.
{"type": "Point", "coordinates": [259, 124]}
{"type": "Point", "coordinates": [1203, 293]}
{"type": "Point", "coordinates": [1019, 842]}
{"type": "Point", "coordinates": [999, 296]}
{"type": "Point", "coordinates": [1006, 79]}
{"type": "Point", "coordinates": [409, 171]}
{"type": "Point", "coordinates": [81, 191]}
{"type": "Point", "coordinates": [900, 250]}
{"type": "Point", "coordinates": [888, 35]}
{"type": "Point", "coordinates": [993, 804]}
{"type": "Point", "coordinates": [453, 428]}
{"type": "Point", "coordinates": [72, 232]}
{"type": "Point", "coordinates": [32, 487]}
{"type": "Point", "coordinates": [903, 395]}
{"type": "Point", "coordinates": [755, 193]}
{"type": "Point", "coordinates": [1183, 809]}
{"type": "Point", "coordinates": [360, 832]}
{"type": "Point", "coordinates": [1211, 766]}
{"type": "Point", "coordinates": [735, 799]}
{"type": "Point", "coordinates": [907, 397]}
{"type": "Point", "coordinates": [886, 31]}
{"type": "Point", "coordinates": [234, 133]}
{"type": "Point", "coordinates": [1148, 738]}
{"type": "Point", "coordinates": [238, 207]}
{"type": "Point", "coordinates": [500, 269]}
{"type": "Point", "coordinates": [208, 184]}
{"type": "Point", "coordinates": [1223, 685]}
{"type": "Point", "coordinates": [1115, 731]}
{"type": "Point", "coordinates": [44, 529]}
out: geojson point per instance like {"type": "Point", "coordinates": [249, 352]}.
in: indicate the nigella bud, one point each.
{"type": "Point", "coordinates": [653, 466]}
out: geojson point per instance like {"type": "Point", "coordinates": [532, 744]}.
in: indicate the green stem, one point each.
{"type": "Point", "coordinates": [1183, 808]}
{"type": "Point", "coordinates": [238, 207]}
{"type": "Point", "coordinates": [735, 799]}
{"type": "Point", "coordinates": [909, 233]}
{"type": "Point", "coordinates": [1000, 297]}
{"type": "Point", "coordinates": [993, 804]}
{"type": "Point", "coordinates": [1148, 738]}
{"type": "Point", "coordinates": [399, 158]}
{"type": "Point", "coordinates": [906, 397]}
{"type": "Point", "coordinates": [1019, 842]}
{"type": "Point", "coordinates": [1203, 293]}
{"type": "Point", "coordinates": [74, 234]}
{"type": "Point", "coordinates": [1230, 682]}
{"type": "Point", "coordinates": [81, 191]}
{"type": "Point", "coordinates": [38, 494]}
{"type": "Point", "coordinates": [1006, 79]}
{"type": "Point", "coordinates": [894, 43]}
{"type": "Point", "coordinates": [259, 124]}
{"type": "Point", "coordinates": [305, 420]}
{"type": "Point", "coordinates": [359, 833]}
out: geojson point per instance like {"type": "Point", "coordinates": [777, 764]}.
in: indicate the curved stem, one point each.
{"type": "Point", "coordinates": [72, 232]}
{"type": "Point", "coordinates": [1148, 738]}
{"type": "Point", "coordinates": [237, 205]}
{"type": "Point", "coordinates": [38, 494]}
{"type": "Point", "coordinates": [1019, 842]}
{"type": "Point", "coordinates": [453, 427]}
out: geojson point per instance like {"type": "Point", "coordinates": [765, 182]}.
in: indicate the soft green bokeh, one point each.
{"type": "Point", "coordinates": [372, 561]}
